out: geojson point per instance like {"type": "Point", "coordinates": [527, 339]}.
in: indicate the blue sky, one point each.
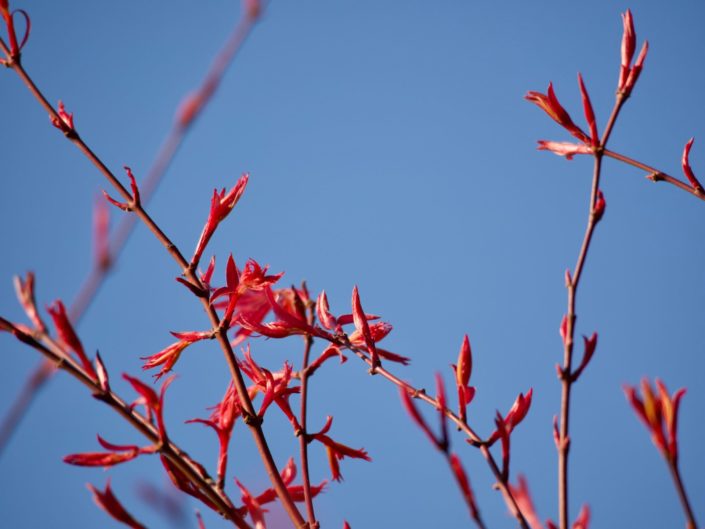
{"type": "Point", "coordinates": [389, 147]}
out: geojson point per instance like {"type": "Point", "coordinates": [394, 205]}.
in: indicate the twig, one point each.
{"type": "Point", "coordinates": [251, 419]}
{"type": "Point", "coordinates": [687, 509]}
{"type": "Point", "coordinates": [196, 474]}
{"type": "Point", "coordinates": [567, 380]}
{"type": "Point", "coordinates": [99, 272]}
{"type": "Point", "coordinates": [655, 175]}
{"type": "Point", "coordinates": [474, 439]}
{"type": "Point", "coordinates": [303, 436]}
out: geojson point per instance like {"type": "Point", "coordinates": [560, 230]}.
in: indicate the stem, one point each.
{"type": "Point", "coordinates": [474, 439]}
{"type": "Point", "coordinates": [303, 437]}
{"type": "Point", "coordinates": [567, 380]}
{"type": "Point", "coordinates": [98, 274]}
{"type": "Point", "coordinates": [655, 175]}
{"type": "Point", "coordinates": [195, 473]}
{"type": "Point", "coordinates": [23, 401]}
{"type": "Point", "coordinates": [249, 414]}
{"type": "Point", "coordinates": [680, 488]}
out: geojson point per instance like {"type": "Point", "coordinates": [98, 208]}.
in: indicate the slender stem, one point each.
{"type": "Point", "coordinates": [249, 414]}
{"type": "Point", "coordinates": [194, 472]}
{"type": "Point", "coordinates": [567, 380]}
{"type": "Point", "coordinates": [23, 401]}
{"type": "Point", "coordinates": [303, 437]}
{"type": "Point", "coordinates": [682, 495]}
{"type": "Point", "coordinates": [99, 272]}
{"type": "Point", "coordinates": [474, 439]}
{"type": "Point", "coordinates": [655, 175]}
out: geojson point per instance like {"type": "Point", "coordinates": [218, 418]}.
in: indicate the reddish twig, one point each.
{"type": "Point", "coordinates": [655, 175]}
{"type": "Point", "coordinates": [249, 413]}
{"type": "Point", "coordinates": [303, 435]}
{"type": "Point", "coordinates": [502, 483]}
{"type": "Point", "coordinates": [572, 283]}
{"type": "Point", "coordinates": [100, 270]}
{"type": "Point", "coordinates": [193, 471]}
{"type": "Point", "coordinates": [680, 489]}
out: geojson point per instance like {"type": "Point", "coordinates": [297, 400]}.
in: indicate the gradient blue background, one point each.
{"type": "Point", "coordinates": [389, 147]}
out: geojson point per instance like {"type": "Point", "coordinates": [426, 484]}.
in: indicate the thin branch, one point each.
{"type": "Point", "coordinates": [249, 413]}
{"type": "Point", "coordinates": [99, 272]}
{"type": "Point", "coordinates": [194, 472]}
{"type": "Point", "coordinates": [473, 438]}
{"type": "Point", "coordinates": [680, 488]}
{"type": "Point", "coordinates": [303, 435]}
{"type": "Point", "coordinates": [567, 380]}
{"type": "Point", "coordinates": [655, 175]}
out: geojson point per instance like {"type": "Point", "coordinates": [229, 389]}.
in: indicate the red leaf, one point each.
{"type": "Point", "coordinates": [107, 501]}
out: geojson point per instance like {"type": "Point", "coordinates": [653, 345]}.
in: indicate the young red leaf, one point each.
{"type": "Point", "coordinates": [659, 412]}
{"type": "Point", "coordinates": [25, 294]}
{"type": "Point", "coordinates": [566, 149]}
{"type": "Point", "coordinates": [522, 497]}
{"type": "Point", "coordinates": [101, 373]}
{"type": "Point", "coordinates": [628, 47]}
{"type": "Point", "coordinates": [550, 105]}
{"type": "Point", "coordinates": [687, 170]}
{"type": "Point", "coordinates": [417, 418]}
{"type": "Point", "coordinates": [323, 312]}
{"type": "Point", "coordinates": [221, 205]}
{"type": "Point", "coordinates": [107, 501]}
{"type": "Point", "coordinates": [583, 519]}
{"type": "Point", "coordinates": [463, 371]}
{"type": "Point", "coordinates": [589, 112]}
{"type": "Point", "coordinates": [68, 337]}
{"type": "Point", "coordinates": [337, 451]}
{"type": "Point", "coordinates": [599, 209]}
{"type": "Point", "coordinates": [65, 120]}
{"type": "Point", "coordinates": [462, 479]}
{"type": "Point", "coordinates": [590, 346]}
{"type": "Point", "coordinates": [361, 325]}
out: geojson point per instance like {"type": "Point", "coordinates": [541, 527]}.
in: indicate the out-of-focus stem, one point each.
{"type": "Point", "coordinates": [682, 495]}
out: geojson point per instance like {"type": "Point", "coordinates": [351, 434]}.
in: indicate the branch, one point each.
{"type": "Point", "coordinates": [220, 332]}
{"type": "Point", "coordinates": [655, 175]}
{"type": "Point", "coordinates": [166, 154]}
{"type": "Point", "coordinates": [680, 488]}
{"type": "Point", "coordinates": [473, 438]}
{"type": "Point", "coordinates": [572, 284]}
{"type": "Point", "coordinates": [193, 471]}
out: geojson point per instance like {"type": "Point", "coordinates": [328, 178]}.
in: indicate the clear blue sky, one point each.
{"type": "Point", "coordinates": [389, 147]}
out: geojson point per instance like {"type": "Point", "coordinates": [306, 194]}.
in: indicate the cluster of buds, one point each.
{"type": "Point", "coordinates": [628, 73]}
{"type": "Point", "coordinates": [590, 143]}
{"type": "Point", "coordinates": [134, 201]}
{"type": "Point", "coordinates": [659, 412]}
{"type": "Point", "coordinates": [221, 205]}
